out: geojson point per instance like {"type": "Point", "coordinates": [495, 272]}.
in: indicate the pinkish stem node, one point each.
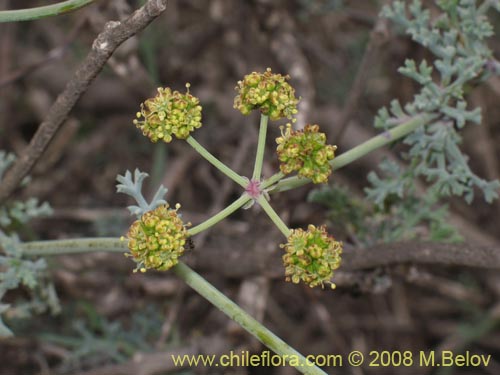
{"type": "Point", "coordinates": [253, 189]}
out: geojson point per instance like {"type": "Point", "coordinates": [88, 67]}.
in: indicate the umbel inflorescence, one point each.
{"type": "Point", "coordinates": [169, 113]}
{"type": "Point", "coordinates": [158, 238]}
{"type": "Point", "coordinates": [311, 256]}
{"type": "Point", "coordinates": [305, 152]}
{"type": "Point", "coordinates": [268, 92]}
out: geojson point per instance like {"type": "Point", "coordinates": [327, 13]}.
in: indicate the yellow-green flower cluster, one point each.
{"type": "Point", "coordinates": [271, 93]}
{"type": "Point", "coordinates": [311, 256]}
{"type": "Point", "coordinates": [169, 113]}
{"type": "Point", "coordinates": [306, 152]}
{"type": "Point", "coordinates": [157, 239]}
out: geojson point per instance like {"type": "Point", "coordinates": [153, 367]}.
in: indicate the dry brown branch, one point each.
{"type": "Point", "coordinates": [468, 255]}
{"type": "Point", "coordinates": [114, 34]}
{"type": "Point", "coordinates": [245, 263]}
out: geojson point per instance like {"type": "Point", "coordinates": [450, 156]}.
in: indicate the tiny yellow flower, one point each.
{"type": "Point", "coordinates": [169, 113]}
{"type": "Point", "coordinates": [271, 93]}
{"type": "Point", "coordinates": [157, 239]}
{"type": "Point", "coordinates": [305, 152]}
{"type": "Point", "coordinates": [311, 256]}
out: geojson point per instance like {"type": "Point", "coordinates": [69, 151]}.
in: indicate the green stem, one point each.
{"type": "Point", "coordinates": [273, 216]}
{"type": "Point", "coordinates": [217, 163]}
{"type": "Point", "coordinates": [191, 278]}
{"type": "Point", "coordinates": [241, 201]}
{"type": "Point", "coordinates": [355, 153]}
{"type": "Point", "coordinates": [234, 312]}
{"type": "Point", "coordinates": [272, 180]}
{"type": "Point", "coordinates": [261, 147]}
{"type": "Point", "coordinates": [160, 160]}
{"type": "Point", "coordinates": [115, 244]}
{"type": "Point", "coordinates": [43, 11]}
{"type": "Point", "coordinates": [74, 246]}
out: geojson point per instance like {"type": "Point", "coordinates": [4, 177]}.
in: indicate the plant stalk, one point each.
{"type": "Point", "coordinates": [240, 202]}
{"type": "Point", "coordinates": [261, 147]}
{"type": "Point", "coordinates": [216, 162]}
{"type": "Point", "coordinates": [237, 314]}
{"type": "Point", "coordinates": [43, 11]}
{"type": "Point", "coordinates": [74, 246]}
{"type": "Point", "coordinates": [273, 216]}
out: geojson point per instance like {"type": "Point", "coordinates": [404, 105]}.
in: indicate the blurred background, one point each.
{"type": "Point", "coordinates": [343, 62]}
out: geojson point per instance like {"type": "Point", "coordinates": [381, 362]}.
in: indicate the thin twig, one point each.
{"type": "Point", "coordinates": [114, 34]}
{"type": "Point", "coordinates": [464, 254]}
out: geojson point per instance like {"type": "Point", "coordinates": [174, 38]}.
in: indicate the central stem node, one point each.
{"type": "Point", "coordinates": [253, 189]}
